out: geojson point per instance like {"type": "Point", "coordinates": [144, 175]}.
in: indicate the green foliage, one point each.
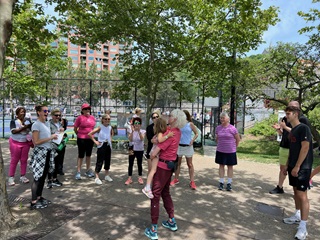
{"type": "Point", "coordinates": [166, 37]}
{"type": "Point", "coordinates": [264, 127]}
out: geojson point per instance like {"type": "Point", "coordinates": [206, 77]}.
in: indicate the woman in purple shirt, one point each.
{"type": "Point", "coordinates": [227, 138]}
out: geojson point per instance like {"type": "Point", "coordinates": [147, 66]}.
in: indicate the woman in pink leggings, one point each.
{"type": "Point", "coordinates": [20, 142]}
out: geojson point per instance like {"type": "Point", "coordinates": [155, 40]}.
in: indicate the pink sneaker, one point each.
{"type": "Point", "coordinates": [148, 193]}
{"type": "Point", "coordinates": [192, 185]}
{"type": "Point", "coordinates": [140, 180]}
{"type": "Point", "coordinates": [129, 181]}
{"type": "Point", "coordinates": [174, 182]}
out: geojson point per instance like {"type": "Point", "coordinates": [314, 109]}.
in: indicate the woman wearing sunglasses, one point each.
{"type": "Point", "coordinates": [104, 145]}
{"type": "Point", "coordinates": [150, 134]}
{"type": "Point", "coordinates": [56, 127]}
{"type": "Point", "coordinates": [137, 138]}
{"type": "Point", "coordinates": [42, 159]}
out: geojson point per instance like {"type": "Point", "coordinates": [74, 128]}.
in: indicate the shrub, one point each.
{"type": "Point", "coordinates": [264, 128]}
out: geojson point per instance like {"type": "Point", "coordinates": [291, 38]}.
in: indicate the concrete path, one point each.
{"type": "Point", "coordinates": [84, 210]}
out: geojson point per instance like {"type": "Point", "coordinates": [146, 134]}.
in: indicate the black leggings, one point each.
{"type": "Point", "coordinates": [103, 157]}
{"type": "Point", "coordinates": [58, 163]}
{"type": "Point", "coordinates": [138, 155]}
{"type": "Point", "coordinates": [37, 186]}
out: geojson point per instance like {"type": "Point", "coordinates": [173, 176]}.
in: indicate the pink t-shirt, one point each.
{"type": "Point", "coordinates": [85, 124]}
{"type": "Point", "coordinates": [226, 140]}
{"type": "Point", "coordinates": [169, 147]}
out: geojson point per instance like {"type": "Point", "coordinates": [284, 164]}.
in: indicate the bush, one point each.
{"type": "Point", "coordinates": [264, 128]}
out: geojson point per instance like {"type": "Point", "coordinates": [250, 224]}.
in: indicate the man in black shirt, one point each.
{"type": "Point", "coordinates": [283, 128]}
{"type": "Point", "coordinates": [299, 168]}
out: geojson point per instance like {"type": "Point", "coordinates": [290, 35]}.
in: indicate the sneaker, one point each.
{"type": "Point", "coordinates": [78, 176]}
{"type": "Point", "coordinates": [172, 225]}
{"type": "Point", "coordinates": [129, 181]}
{"type": "Point", "coordinates": [37, 205]}
{"type": "Point", "coordinates": [61, 173]}
{"type": "Point", "coordinates": [292, 220]}
{"type": "Point", "coordinates": [56, 183]}
{"type": "Point", "coordinates": [310, 184]}
{"type": "Point", "coordinates": [229, 187]}
{"type": "Point", "coordinates": [192, 185]}
{"type": "Point", "coordinates": [44, 201]}
{"type": "Point", "coordinates": [23, 179]}
{"type": "Point", "coordinates": [151, 233]}
{"type": "Point", "coordinates": [11, 181]}
{"type": "Point", "coordinates": [89, 173]}
{"type": "Point", "coordinates": [301, 233]}
{"type": "Point", "coordinates": [98, 181]}
{"type": "Point", "coordinates": [140, 180]}
{"type": "Point", "coordinates": [148, 193]}
{"type": "Point", "coordinates": [49, 184]}
{"type": "Point", "coordinates": [221, 186]}
{"type": "Point", "coordinates": [174, 182]}
{"type": "Point", "coordinates": [108, 178]}
{"type": "Point", "coordinates": [277, 190]}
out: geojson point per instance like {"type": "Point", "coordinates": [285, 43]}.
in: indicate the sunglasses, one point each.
{"type": "Point", "coordinates": [86, 109]}
{"type": "Point", "coordinates": [155, 117]}
{"type": "Point", "coordinates": [57, 115]}
{"type": "Point", "coordinates": [45, 111]}
{"type": "Point", "coordinates": [136, 123]}
{"type": "Point", "coordinates": [106, 119]}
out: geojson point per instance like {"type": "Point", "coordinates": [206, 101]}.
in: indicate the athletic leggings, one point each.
{"type": "Point", "coordinates": [138, 155]}
{"type": "Point", "coordinates": [37, 186]}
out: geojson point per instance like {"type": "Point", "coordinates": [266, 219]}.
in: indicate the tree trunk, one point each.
{"type": "Point", "coordinates": [6, 9]}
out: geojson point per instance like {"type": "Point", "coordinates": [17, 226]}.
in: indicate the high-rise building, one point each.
{"type": "Point", "coordinates": [104, 58]}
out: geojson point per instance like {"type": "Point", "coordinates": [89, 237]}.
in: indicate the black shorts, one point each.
{"type": "Point", "coordinates": [302, 181]}
{"type": "Point", "coordinates": [84, 147]}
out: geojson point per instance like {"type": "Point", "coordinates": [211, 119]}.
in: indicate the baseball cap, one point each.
{"type": "Point", "coordinates": [85, 105]}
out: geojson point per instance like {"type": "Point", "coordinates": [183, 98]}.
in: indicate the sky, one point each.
{"type": "Point", "coordinates": [286, 30]}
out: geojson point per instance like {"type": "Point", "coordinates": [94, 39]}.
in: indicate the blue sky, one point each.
{"type": "Point", "coordinates": [290, 23]}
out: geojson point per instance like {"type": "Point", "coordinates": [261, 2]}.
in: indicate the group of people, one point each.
{"type": "Point", "coordinates": [46, 158]}
{"type": "Point", "coordinates": [296, 159]}
{"type": "Point", "coordinates": [168, 141]}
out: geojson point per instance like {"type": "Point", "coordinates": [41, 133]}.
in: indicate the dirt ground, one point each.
{"type": "Point", "coordinates": [24, 221]}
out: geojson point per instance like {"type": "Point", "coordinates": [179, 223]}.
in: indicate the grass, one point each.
{"type": "Point", "coordinates": [264, 150]}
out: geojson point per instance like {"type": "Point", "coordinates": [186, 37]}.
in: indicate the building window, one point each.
{"type": "Point", "coordinates": [91, 51]}
{"type": "Point", "coordinates": [113, 62]}
{"type": "Point", "coordinates": [54, 44]}
{"type": "Point", "coordinates": [113, 49]}
{"type": "Point", "coordinates": [91, 58]}
{"type": "Point", "coordinates": [73, 45]}
{"type": "Point", "coordinates": [74, 58]}
{"type": "Point", "coordinates": [74, 52]}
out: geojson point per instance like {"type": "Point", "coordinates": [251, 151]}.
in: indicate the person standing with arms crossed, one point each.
{"type": "Point", "coordinates": [299, 168]}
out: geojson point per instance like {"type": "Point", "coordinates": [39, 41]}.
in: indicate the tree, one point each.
{"type": "Point", "coordinates": [165, 37]}
{"type": "Point", "coordinates": [291, 72]}
{"type": "Point", "coordinates": [30, 60]}
{"type": "Point", "coordinates": [6, 217]}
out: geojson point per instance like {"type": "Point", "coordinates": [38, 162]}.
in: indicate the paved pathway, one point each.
{"type": "Point", "coordinates": [84, 210]}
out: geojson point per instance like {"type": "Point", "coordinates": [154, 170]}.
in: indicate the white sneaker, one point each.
{"type": "Point", "coordinates": [292, 220]}
{"type": "Point", "coordinates": [301, 233]}
{"type": "Point", "coordinates": [23, 179]}
{"type": "Point", "coordinates": [98, 181]}
{"type": "Point", "coordinates": [11, 181]}
{"type": "Point", "coordinates": [108, 178]}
